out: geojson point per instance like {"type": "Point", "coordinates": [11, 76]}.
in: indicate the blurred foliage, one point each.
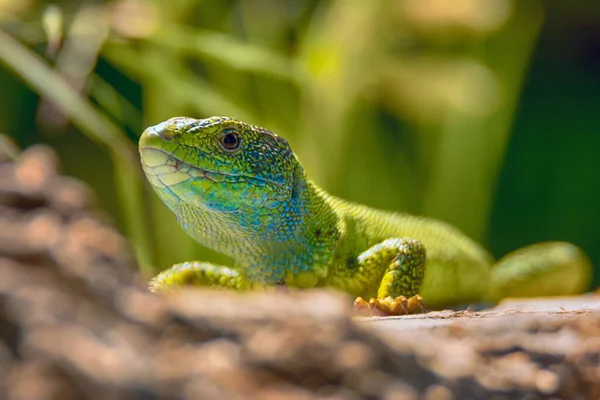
{"type": "Point", "coordinates": [480, 113]}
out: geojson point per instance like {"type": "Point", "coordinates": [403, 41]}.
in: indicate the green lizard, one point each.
{"type": "Point", "coordinates": [240, 189]}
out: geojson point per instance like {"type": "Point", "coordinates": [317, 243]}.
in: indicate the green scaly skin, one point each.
{"type": "Point", "coordinates": [239, 189]}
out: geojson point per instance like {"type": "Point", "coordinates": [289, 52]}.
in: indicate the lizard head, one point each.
{"type": "Point", "coordinates": [222, 178]}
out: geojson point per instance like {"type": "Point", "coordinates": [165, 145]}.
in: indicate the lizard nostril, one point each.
{"type": "Point", "coordinates": [165, 131]}
{"type": "Point", "coordinates": [153, 131]}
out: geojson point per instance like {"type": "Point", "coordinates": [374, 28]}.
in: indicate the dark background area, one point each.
{"type": "Point", "coordinates": [549, 185]}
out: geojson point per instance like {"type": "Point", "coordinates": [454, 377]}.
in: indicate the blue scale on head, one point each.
{"type": "Point", "coordinates": [272, 204]}
{"type": "Point", "coordinates": [255, 222]}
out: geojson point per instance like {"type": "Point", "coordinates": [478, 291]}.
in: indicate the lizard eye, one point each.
{"type": "Point", "coordinates": [230, 141]}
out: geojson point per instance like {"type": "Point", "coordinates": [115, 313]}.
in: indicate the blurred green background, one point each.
{"type": "Point", "coordinates": [483, 113]}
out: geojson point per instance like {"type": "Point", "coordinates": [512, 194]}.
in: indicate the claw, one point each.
{"type": "Point", "coordinates": [361, 307]}
{"type": "Point", "coordinates": [389, 306]}
{"type": "Point", "coordinates": [416, 302]}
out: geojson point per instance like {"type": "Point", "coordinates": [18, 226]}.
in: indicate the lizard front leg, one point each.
{"type": "Point", "coordinates": [403, 262]}
{"type": "Point", "coordinates": [198, 273]}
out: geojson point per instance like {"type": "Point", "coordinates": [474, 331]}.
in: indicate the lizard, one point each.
{"type": "Point", "coordinates": [240, 189]}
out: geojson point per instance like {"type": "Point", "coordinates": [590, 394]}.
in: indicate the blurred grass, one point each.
{"type": "Point", "coordinates": [93, 123]}
{"type": "Point", "coordinates": [405, 105]}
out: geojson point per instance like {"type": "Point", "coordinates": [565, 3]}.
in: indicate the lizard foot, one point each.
{"type": "Point", "coordinates": [389, 306]}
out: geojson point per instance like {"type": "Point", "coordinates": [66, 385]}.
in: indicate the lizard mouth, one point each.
{"type": "Point", "coordinates": [163, 169]}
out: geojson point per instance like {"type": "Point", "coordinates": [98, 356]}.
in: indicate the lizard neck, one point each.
{"type": "Point", "coordinates": [305, 238]}
{"type": "Point", "coordinates": [321, 223]}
